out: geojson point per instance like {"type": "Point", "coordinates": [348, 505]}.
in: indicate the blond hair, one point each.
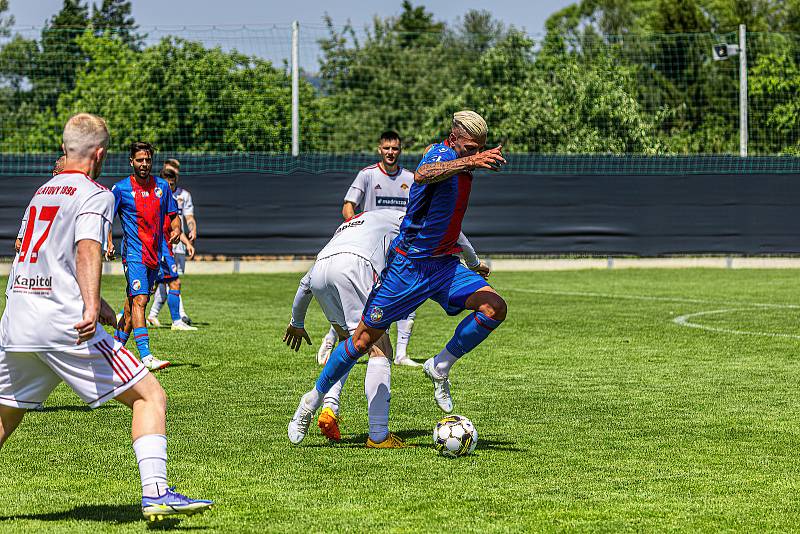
{"type": "Point", "coordinates": [83, 134]}
{"type": "Point", "coordinates": [470, 123]}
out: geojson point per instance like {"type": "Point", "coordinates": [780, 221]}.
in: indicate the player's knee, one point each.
{"type": "Point", "coordinates": [175, 285]}
{"type": "Point", "coordinates": [362, 344]}
{"type": "Point", "coordinates": [153, 393]}
{"type": "Point", "coordinates": [159, 398]}
{"type": "Point", "coordinates": [495, 308]}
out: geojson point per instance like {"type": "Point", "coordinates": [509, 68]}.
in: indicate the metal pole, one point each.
{"type": "Point", "coordinates": [742, 91]}
{"type": "Point", "coordinates": [295, 90]}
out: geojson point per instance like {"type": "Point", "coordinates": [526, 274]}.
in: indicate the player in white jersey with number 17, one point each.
{"type": "Point", "coordinates": [49, 331]}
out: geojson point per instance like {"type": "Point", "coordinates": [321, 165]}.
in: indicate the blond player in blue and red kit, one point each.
{"type": "Point", "coordinates": [143, 203]}
{"type": "Point", "coordinates": [424, 266]}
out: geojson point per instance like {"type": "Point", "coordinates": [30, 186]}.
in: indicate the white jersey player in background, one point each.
{"type": "Point", "coordinates": [49, 331]}
{"type": "Point", "coordinates": [341, 280]}
{"type": "Point", "coordinates": [385, 186]}
{"type": "Point", "coordinates": [180, 249]}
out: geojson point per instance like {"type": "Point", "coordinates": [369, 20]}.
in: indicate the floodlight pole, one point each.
{"type": "Point", "coordinates": [295, 90]}
{"type": "Point", "coordinates": [742, 91]}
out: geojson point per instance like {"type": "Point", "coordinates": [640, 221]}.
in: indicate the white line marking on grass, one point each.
{"type": "Point", "coordinates": [682, 320]}
{"type": "Point", "coordinates": [687, 300]}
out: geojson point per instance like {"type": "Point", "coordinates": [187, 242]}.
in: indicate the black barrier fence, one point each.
{"type": "Point", "coordinates": [256, 214]}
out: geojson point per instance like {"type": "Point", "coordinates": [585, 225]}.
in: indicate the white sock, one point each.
{"type": "Point", "coordinates": [158, 300]}
{"type": "Point", "coordinates": [151, 454]}
{"type": "Point", "coordinates": [404, 328]}
{"type": "Point", "coordinates": [377, 386]}
{"type": "Point", "coordinates": [331, 398]}
{"type": "Point", "coordinates": [312, 399]}
{"type": "Point", "coordinates": [443, 362]}
{"type": "Point", "coordinates": [182, 311]}
{"type": "Point", "coordinates": [332, 337]}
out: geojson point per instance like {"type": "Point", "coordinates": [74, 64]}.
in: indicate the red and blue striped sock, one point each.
{"type": "Point", "coordinates": [174, 304]}
{"type": "Point", "coordinates": [121, 336]}
{"type": "Point", "coordinates": [341, 360]}
{"type": "Point", "coordinates": [142, 342]}
{"type": "Point", "coordinates": [470, 332]}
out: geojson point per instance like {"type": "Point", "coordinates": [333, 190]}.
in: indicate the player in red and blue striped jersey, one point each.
{"type": "Point", "coordinates": [143, 203]}
{"type": "Point", "coordinates": [424, 266]}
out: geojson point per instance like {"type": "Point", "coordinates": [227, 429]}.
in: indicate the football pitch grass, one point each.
{"type": "Point", "coordinates": [596, 411]}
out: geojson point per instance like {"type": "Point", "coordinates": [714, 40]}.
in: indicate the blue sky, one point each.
{"type": "Point", "coordinates": [268, 21]}
{"type": "Point", "coordinates": [528, 14]}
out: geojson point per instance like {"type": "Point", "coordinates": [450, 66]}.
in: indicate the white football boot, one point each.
{"type": "Point", "coordinates": [298, 426]}
{"type": "Point", "coordinates": [441, 386]}
{"type": "Point", "coordinates": [180, 325]}
{"type": "Point", "coordinates": [405, 360]}
{"type": "Point", "coordinates": [154, 364]}
{"type": "Point", "coordinates": [153, 321]}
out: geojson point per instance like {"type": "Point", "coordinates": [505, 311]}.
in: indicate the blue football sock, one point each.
{"type": "Point", "coordinates": [121, 336]}
{"type": "Point", "coordinates": [142, 342]}
{"type": "Point", "coordinates": [174, 304]}
{"type": "Point", "coordinates": [341, 360]}
{"type": "Point", "coordinates": [470, 333]}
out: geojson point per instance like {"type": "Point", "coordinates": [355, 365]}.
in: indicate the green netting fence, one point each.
{"type": "Point", "coordinates": [220, 98]}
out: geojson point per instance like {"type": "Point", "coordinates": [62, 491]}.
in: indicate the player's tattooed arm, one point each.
{"type": "Point", "coordinates": [431, 173]}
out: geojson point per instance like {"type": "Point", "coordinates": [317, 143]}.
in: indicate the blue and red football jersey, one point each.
{"type": "Point", "coordinates": [142, 211]}
{"type": "Point", "coordinates": [435, 211]}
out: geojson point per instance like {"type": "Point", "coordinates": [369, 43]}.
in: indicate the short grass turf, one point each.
{"type": "Point", "coordinates": [596, 412]}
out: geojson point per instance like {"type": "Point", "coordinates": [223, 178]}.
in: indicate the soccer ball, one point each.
{"type": "Point", "coordinates": [454, 436]}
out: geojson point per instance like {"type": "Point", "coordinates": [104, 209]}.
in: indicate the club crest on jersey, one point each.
{"type": "Point", "coordinates": [136, 285]}
{"type": "Point", "coordinates": [403, 187]}
{"type": "Point", "coordinates": [158, 192]}
{"type": "Point", "coordinates": [376, 314]}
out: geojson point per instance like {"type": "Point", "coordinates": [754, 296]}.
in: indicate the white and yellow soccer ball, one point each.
{"type": "Point", "coordinates": [455, 436]}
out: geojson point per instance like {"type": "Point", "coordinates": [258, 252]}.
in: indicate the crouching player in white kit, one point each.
{"type": "Point", "coordinates": [49, 331]}
{"type": "Point", "coordinates": [341, 280]}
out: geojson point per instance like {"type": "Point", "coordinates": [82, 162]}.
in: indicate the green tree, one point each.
{"type": "Point", "coordinates": [177, 94]}
{"type": "Point", "coordinates": [6, 21]}
{"type": "Point", "coordinates": [114, 17]}
{"type": "Point", "coordinates": [61, 56]}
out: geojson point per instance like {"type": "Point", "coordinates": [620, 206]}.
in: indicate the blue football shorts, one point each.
{"type": "Point", "coordinates": [168, 267]}
{"type": "Point", "coordinates": [405, 284]}
{"type": "Point", "coordinates": [141, 279]}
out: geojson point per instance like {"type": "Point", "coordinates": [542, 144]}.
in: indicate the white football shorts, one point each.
{"type": "Point", "coordinates": [96, 372]}
{"type": "Point", "coordinates": [341, 284]}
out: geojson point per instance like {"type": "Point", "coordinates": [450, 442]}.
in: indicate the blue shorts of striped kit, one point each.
{"type": "Point", "coordinates": [406, 284]}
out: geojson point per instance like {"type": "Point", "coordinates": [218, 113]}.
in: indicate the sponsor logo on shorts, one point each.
{"type": "Point", "coordinates": [174, 268]}
{"type": "Point", "coordinates": [376, 314]}
{"type": "Point", "coordinates": [136, 285]}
